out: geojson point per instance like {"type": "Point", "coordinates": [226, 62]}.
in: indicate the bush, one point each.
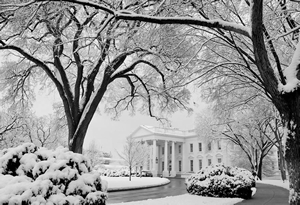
{"type": "Point", "coordinates": [124, 172]}
{"type": "Point", "coordinates": [221, 181]}
{"type": "Point", "coordinates": [32, 175]}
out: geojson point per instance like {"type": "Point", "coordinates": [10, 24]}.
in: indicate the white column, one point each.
{"type": "Point", "coordinates": [145, 164]}
{"type": "Point", "coordinates": [154, 169]}
{"type": "Point", "coordinates": [166, 172]}
{"type": "Point", "coordinates": [184, 158]}
{"type": "Point", "coordinates": [173, 171]}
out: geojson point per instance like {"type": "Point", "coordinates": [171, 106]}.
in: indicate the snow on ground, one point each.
{"type": "Point", "coordinates": [121, 183]}
{"type": "Point", "coordinates": [185, 199]}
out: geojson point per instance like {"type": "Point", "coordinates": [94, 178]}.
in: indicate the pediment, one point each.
{"type": "Point", "coordinates": [141, 131]}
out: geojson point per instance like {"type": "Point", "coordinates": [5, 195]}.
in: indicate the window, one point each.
{"type": "Point", "coordinates": [162, 166]}
{"type": "Point", "coordinates": [209, 162]}
{"type": "Point", "coordinates": [170, 150]}
{"type": "Point", "coordinates": [192, 165]}
{"type": "Point", "coordinates": [200, 146]}
{"type": "Point", "coordinates": [219, 145]}
{"type": "Point", "coordinates": [209, 146]}
{"type": "Point", "coordinates": [163, 151]}
{"type": "Point", "coordinates": [179, 149]}
{"type": "Point", "coordinates": [219, 160]}
{"type": "Point", "coordinates": [179, 165]}
{"type": "Point", "coordinates": [191, 147]}
{"type": "Point", "coordinates": [200, 164]}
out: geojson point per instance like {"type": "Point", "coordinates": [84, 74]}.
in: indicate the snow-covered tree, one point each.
{"type": "Point", "coordinates": [17, 127]}
{"type": "Point", "coordinates": [96, 155]}
{"type": "Point", "coordinates": [205, 123]}
{"type": "Point", "coordinates": [91, 57]}
{"type": "Point", "coordinates": [134, 153]}
{"type": "Point", "coordinates": [45, 131]}
{"type": "Point", "coordinates": [10, 126]}
{"type": "Point", "coordinates": [248, 129]}
{"type": "Point", "coordinates": [276, 127]}
{"type": "Point", "coordinates": [238, 156]}
{"type": "Point", "coordinates": [249, 137]}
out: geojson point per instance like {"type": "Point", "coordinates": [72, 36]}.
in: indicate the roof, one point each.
{"type": "Point", "coordinates": [169, 131]}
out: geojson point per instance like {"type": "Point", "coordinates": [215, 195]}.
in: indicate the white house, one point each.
{"type": "Point", "coordinates": [175, 152]}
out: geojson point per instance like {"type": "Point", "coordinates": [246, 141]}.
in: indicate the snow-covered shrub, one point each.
{"type": "Point", "coordinates": [221, 181]}
{"type": "Point", "coordinates": [115, 172]}
{"type": "Point", "coordinates": [32, 175]}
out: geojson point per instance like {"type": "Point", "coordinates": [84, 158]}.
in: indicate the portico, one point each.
{"type": "Point", "coordinates": [165, 157]}
{"type": "Point", "coordinates": [166, 151]}
{"type": "Point", "coordinates": [179, 153]}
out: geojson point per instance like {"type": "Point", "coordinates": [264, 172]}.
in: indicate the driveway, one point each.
{"type": "Point", "coordinates": [175, 187]}
{"type": "Point", "coordinates": [265, 195]}
{"type": "Point", "coordinates": [268, 195]}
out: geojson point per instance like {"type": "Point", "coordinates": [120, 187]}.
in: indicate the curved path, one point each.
{"type": "Point", "coordinates": [175, 187]}
{"type": "Point", "coordinates": [267, 194]}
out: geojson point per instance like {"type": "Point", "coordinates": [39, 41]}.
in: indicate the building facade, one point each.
{"type": "Point", "coordinates": [178, 153]}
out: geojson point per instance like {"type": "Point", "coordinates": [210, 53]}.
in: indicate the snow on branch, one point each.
{"type": "Point", "coordinates": [229, 26]}
{"type": "Point", "coordinates": [290, 73]}
{"type": "Point", "coordinates": [128, 15]}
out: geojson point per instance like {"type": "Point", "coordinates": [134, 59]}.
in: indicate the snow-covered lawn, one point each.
{"type": "Point", "coordinates": [121, 183]}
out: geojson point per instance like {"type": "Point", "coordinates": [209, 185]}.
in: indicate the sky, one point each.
{"type": "Point", "coordinates": [110, 135]}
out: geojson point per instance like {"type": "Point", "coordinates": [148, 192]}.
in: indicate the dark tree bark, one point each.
{"type": "Point", "coordinates": [130, 171]}
{"type": "Point", "coordinates": [259, 168]}
{"type": "Point", "coordinates": [288, 104]}
{"type": "Point", "coordinates": [282, 165]}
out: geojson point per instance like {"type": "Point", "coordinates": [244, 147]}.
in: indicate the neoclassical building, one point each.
{"type": "Point", "coordinates": [175, 152]}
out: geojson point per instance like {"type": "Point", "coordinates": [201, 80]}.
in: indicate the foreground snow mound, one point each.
{"type": "Point", "coordinates": [221, 181]}
{"type": "Point", "coordinates": [32, 175]}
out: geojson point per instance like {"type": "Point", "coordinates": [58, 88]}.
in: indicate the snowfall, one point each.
{"type": "Point", "coordinates": [186, 199]}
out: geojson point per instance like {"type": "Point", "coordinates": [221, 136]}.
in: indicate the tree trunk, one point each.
{"type": "Point", "coordinates": [292, 156]}
{"type": "Point", "coordinates": [129, 173]}
{"type": "Point", "coordinates": [291, 120]}
{"type": "Point", "coordinates": [282, 166]}
{"type": "Point", "coordinates": [77, 142]}
{"type": "Point", "coordinates": [282, 170]}
{"type": "Point", "coordinates": [259, 168]}
{"type": "Point", "coordinates": [288, 104]}
{"type": "Point", "coordinates": [76, 138]}
{"type": "Point", "coordinates": [293, 165]}
{"type": "Point", "coordinates": [77, 132]}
